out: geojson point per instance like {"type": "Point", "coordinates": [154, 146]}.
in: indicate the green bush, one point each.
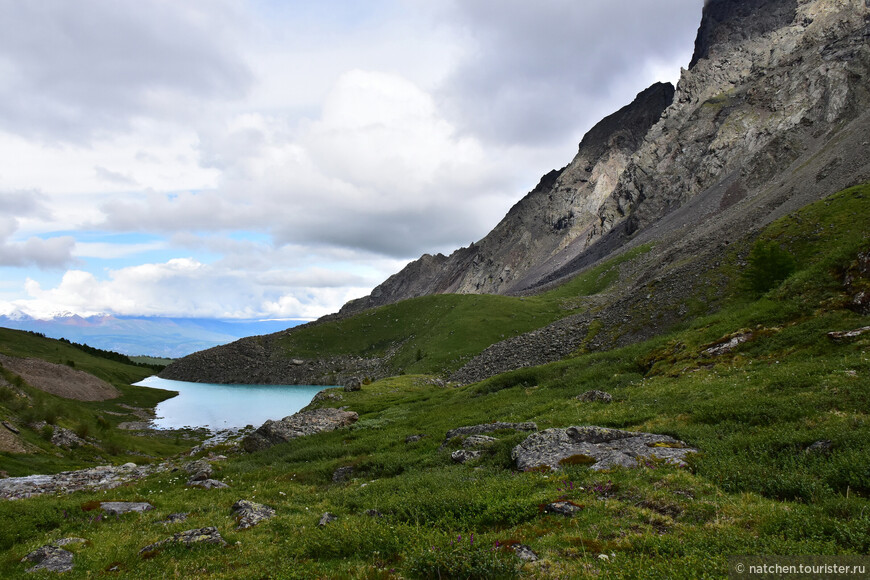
{"type": "Point", "coordinates": [767, 265]}
{"type": "Point", "coordinates": [462, 558]}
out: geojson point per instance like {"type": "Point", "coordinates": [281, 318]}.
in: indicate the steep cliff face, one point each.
{"type": "Point", "coordinates": [769, 81]}
{"type": "Point", "coordinates": [549, 226]}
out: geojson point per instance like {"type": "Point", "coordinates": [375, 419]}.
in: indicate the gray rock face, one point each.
{"type": "Point", "coordinates": [249, 514]}
{"type": "Point", "coordinates": [599, 447]}
{"type": "Point", "coordinates": [353, 384]}
{"type": "Point", "coordinates": [208, 535]}
{"type": "Point", "coordinates": [547, 227]}
{"type": "Point", "coordinates": [101, 477]}
{"type": "Point", "coordinates": [298, 425]}
{"type": "Point", "coordinates": [114, 508]}
{"type": "Point", "coordinates": [50, 558]}
{"type": "Point", "coordinates": [595, 396]}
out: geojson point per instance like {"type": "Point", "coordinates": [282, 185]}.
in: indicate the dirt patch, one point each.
{"type": "Point", "coordinates": [11, 443]}
{"type": "Point", "coordinates": [60, 380]}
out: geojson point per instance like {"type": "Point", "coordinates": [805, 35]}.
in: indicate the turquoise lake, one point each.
{"type": "Point", "coordinates": [226, 406]}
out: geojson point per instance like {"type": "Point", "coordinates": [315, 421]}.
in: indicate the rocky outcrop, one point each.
{"type": "Point", "coordinates": [50, 559]}
{"type": "Point", "coordinates": [297, 425]}
{"type": "Point", "coordinates": [598, 447]}
{"type": "Point", "coordinates": [96, 478]}
{"type": "Point", "coordinates": [549, 226]}
{"type": "Point", "coordinates": [772, 114]}
{"type": "Point", "coordinates": [248, 513]}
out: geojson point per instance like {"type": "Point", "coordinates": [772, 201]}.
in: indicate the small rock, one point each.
{"type": "Point", "coordinates": [326, 518]}
{"type": "Point", "coordinates": [464, 455]}
{"type": "Point", "coordinates": [342, 474]}
{"type": "Point", "coordinates": [565, 508]}
{"type": "Point", "coordinates": [114, 508]}
{"type": "Point", "coordinates": [249, 514]}
{"type": "Point", "coordinates": [11, 427]}
{"type": "Point", "coordinates": [208, 484]}
{"type": "Point", "coordinates": [67, 541]}
{"type": "Point", "coordinates": [414, 438]}
{"type": "Point", "coordinates": [847, 334]}
{"type": "Point", "coordinates": [50, 558]}
{"type": "Point", "coordinates": [353, 384]}
{"type": "Point", "coordinates": [208, 535]}
{"type": "Point", "coordinates": [374, 514]}
{"type": "Point", "coordinates": [175, 518]}
{"type": "Point", "coordinates": [477, 441]}
{"type": "Point", "coordinates": [524, 552]}
{"type": "Point", "coordinates": [729, 343]}
{"type": "Point", "coordinates": [127, 466]}
{"type": "Point", "coordinates": [595, 396]}
{"type": "Point", "coordinates": [822, 446]}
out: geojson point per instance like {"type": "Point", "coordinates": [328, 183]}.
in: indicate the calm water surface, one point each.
{"type": "Point", "coordinates": [226, 406]}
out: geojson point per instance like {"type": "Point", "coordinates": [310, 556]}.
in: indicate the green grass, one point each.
{"type": "Point", "coordinates": [438, 334]}
{"type": "Point", "coordinates": [752, 413]}
{"type": "Point", "coordinates": [95, 420]}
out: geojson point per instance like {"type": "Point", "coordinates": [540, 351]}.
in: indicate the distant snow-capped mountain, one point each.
{"type": "Point", "coordinates": [163, 337]}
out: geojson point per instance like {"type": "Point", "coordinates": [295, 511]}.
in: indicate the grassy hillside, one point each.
{"type": "Point", "coordinates": [437, 334]}
{"type": "Point", "coordinates": [23, 405]}
{"type": "Point", "coordinates": [753, 412]}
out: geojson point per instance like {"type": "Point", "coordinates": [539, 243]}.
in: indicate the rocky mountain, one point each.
{"type": "Point", "coordinates": [770, 82]}
{"type": "Point", "coordinates": [772, 114]}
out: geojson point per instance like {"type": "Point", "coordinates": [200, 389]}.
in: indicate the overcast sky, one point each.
{"type": "Point", "coordinates": [276, 158]}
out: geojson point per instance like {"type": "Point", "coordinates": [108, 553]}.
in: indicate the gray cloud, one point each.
{"type": "Point", "coordinates": [114, 176]}
{"type": "Point", "coordinates": [44, 253]}
{"type": "Point", "coordinates": [540, 70]}
{"type": "Point", "coordinates": [71, 70]}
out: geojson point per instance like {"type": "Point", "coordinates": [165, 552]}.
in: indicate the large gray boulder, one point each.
{"type": "Point", "coordinates": [598, 447]}
{"type": "Point", "coordinates": [297, 425]}
{"type": "Point", "coordinates": [50, 558]}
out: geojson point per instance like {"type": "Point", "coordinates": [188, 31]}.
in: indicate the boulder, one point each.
{"type": "Point", "coordinates": [50, 558]}
{"type": "Point", "coordinates": [353, 384]}
{"type": "Point", "coordinates": [599, 447]}
{"type": "Point", "coordinates": [297, 425]}
{"type": "Point", "coordinates": [208, 535]}
{"type": "Point", "coordinates": [114, 508]}
{"type": "Point", "coordinates": [595, 397]}
{"type": "Point", "coordinates": [249, 514]}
